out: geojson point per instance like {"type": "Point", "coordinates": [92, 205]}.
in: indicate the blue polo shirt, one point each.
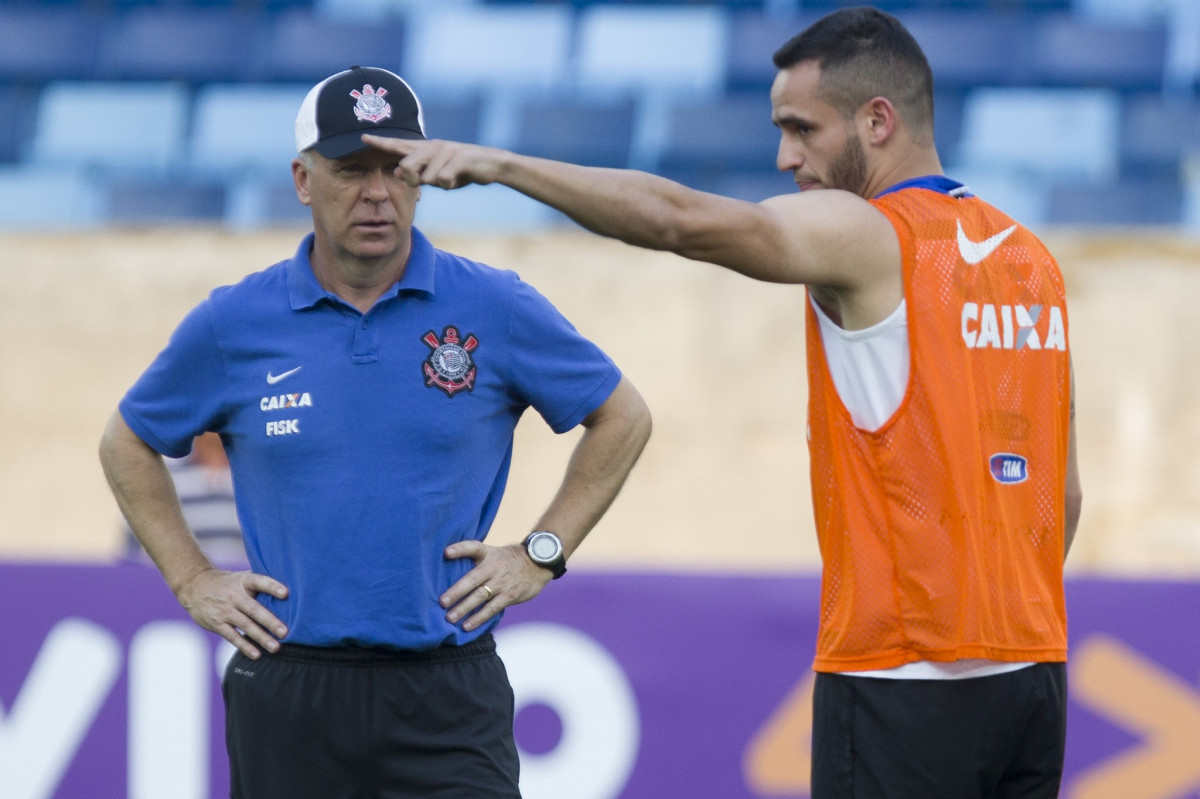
{"type": "Point", "coordinates": [362, 445]}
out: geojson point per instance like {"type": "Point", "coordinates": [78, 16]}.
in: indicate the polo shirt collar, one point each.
{"type": "Point", "coordinates": [305, 291]}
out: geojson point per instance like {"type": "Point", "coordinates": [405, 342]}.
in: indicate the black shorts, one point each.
{"type": "Point", "coordinates": [997, 736]}
{"type": "Point", "coordinates": [314, 723]}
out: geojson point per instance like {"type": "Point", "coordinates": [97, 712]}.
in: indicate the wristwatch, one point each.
{"type": "Point", "coordinates": [546, 550]}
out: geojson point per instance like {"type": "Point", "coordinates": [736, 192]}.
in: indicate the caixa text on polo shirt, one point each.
{"type": "Point", "coordinates": [284, 427]}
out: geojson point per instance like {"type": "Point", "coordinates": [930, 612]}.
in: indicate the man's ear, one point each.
{"type": "Point", "coordinates": [300, 179]}
{"type": "Point", "coordinates": [878, 117]}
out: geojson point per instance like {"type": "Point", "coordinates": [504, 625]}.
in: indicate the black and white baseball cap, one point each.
{"type": "Point", "coordinates": [341, 108]}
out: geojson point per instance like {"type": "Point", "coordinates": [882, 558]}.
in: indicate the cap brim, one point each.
{"type": "Point", "coordinates": [341, 145]}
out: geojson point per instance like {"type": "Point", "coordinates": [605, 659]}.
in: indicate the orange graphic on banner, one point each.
{"type": "Point", "coordinates": [1141, 697]}
{"type": "Point", "coordinates": [778, 760]}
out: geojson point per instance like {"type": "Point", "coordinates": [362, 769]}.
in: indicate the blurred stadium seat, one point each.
{"type": "Point", "coordinates": [17, 106]}
{"type": "Point", "coordinates": [1158, 133]}
{"type": "Point", "coordinates": [1068, 51]}
{"type": "Point", "coordinates": [305, 48]}
{"type": "Point", "coordinates": [128, 126]}
{"type": "Point", "coordinates": [245, 128]}
{"type": "Point", "coordinates": [714, 138]}
{"type": "Point", "coordinates": [456, 118]}
{"type": "Point", "coordinates": [971, 47]}
{"type": "Point", "coordinates": [589, 132]}
{"type": "Point", "coordinates": [141, 202]}
{"type": "Point", "coordinates": [1153, 201]}
{"type": "Point", "coordinates": [50, 197]}
{"type": "Point", "coordinates": [191, 44]}
{"type": "Point", "coordinates": [467, 48]}
{"type": "Point", "coordinates": [753, 39]}
{"type": "Point", "coordinates": [652, 49]}
{"type": "Point", "coordinates": [42, 44]}
{"type": "Point", "coordinates": [1054, 133]}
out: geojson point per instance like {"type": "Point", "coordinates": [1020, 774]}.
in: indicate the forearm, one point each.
{"type": "Point", "coordinates": [145, 494]}
{"type": "Point", "coordinates": [635, 207]}
{"type": "Point", "coordinates": [602, 460]}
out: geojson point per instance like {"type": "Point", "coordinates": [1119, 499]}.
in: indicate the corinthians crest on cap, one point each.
{"type": "Point", "coordinates": [371, 107]}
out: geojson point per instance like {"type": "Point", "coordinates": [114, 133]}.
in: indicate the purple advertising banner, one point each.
{"type": "Point", "coordinates": [628, 685]}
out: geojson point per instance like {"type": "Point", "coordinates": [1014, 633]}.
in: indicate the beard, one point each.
{"type": "Point", "coordinates": [849, 170]}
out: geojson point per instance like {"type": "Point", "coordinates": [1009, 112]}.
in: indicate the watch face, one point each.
{"type": "Point", "coordinates": [543, 547]}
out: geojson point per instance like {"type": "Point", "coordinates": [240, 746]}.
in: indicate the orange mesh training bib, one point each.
{"type": "Point", "coordinates": [941, 533]}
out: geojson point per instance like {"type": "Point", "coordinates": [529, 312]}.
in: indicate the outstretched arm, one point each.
{"type": "Point", "coordinates": [828, 238]}
{"type": "Point", "coordinates": [220, 601]}
{"type": "Point", "coordinates": [613, 439]}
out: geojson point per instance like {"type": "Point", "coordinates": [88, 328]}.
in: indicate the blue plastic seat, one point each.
{"type": "Point", "coordinates": [303, 47]}
{"type": "Point", "coordinates": [454, 48]}
{"type": "Point", "coordinates": [40, 45]}
{"type": "Point", "coordinates": [1055, 133]}
{"type": "Point", "coordinates": [17, 104]}
{"type": "Point", "coordinates": [118, 126]}
{"type": "Point", "coordinates": [652, 49]}
{"type": "Point", "coordinates": [1153, 201]}
{"type": "Point", "coordinates": [971, 48]}
{"type": "Point", "coordinates": [1158, 133]}
{"type": "Point", "coordinates": [1069, 51]}
{"type": "Point", "coordinates": [141, 202]}
{"type": "Point", "coordinates": [753, 39]}
{"type": "Point", "coordinates": [720, 136]}
{"type": "Point", "coordinates": [192, 44]}
{"type": "Point", "coordinates": [240, 127]}
{"type": "Point", "coordinates": [455, 118]}
{"type": "Point", "coordinates": [35, 197]}
{"type": "Point", "coordinates": [593, 133]}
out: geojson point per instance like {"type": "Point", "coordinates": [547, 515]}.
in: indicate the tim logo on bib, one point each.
{"type": "Point", "coordinates": [1009, 468]}
{"type": "Point", "coordinates": [450, 366]}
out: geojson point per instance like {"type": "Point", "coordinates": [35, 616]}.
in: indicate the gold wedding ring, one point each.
{"type": "Point", "coordinates": [489, 591]}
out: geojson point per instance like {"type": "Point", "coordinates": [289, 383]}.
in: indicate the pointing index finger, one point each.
{"type": "Point", "coordinates": [401, 146]}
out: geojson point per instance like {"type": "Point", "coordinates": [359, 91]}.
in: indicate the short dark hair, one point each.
{"type": "Point", "coordinates": [864, 53]}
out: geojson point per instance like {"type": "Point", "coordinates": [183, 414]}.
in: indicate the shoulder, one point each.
{"type": "Point", "coordinates": [252, 288]}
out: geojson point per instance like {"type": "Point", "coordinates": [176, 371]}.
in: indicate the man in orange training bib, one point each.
{"type": "Point", "coordinates": [940, 415]}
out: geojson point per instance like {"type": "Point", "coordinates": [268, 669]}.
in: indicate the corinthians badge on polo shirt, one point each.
{"type": "Point", "coordinates": [450, 366]}
{"type": "Point", "coordinates": [371, 107]}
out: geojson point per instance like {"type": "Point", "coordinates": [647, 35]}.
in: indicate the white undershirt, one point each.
{"type": "Point", "coordinates": [869, 368]}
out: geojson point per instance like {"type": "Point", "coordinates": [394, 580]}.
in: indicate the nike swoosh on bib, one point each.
{"type": "Point", "coordinates": [273, 379]}
{"type": "Point", "coordinates": [975, 251]}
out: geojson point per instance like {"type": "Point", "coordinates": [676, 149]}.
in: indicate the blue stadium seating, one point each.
{"type": "Point", "coordinates": [143, 202]}
{"type": "Point", "coordinates": [1053, 133]}
{"type": "Point", "coordinates": [720, 136]}
{"type": "Point", "coordinates": [17, 106]}
{"type": "Point", "coordinates": [454, 48]}
{"type": "Point", "coordinates": [972, 48]}
{"type": "Point", "coordinates": [652, 50]}
{"type": "Point", "coordinates": [194, 45]}
{"type": "Point", "coordinates": [1061, 116]}
{"type": "Point", "coordinates": [1154, 201]}
{"type": "Point", "coordinates": [1068, 51]}
{"type": "Point", "coordinates": [39, 45]}
{"type": "Point", "coordinates": [753, 39]}
{"type": "Point", "coordinates": [136, 127]}
{"type": "Point", "coordinates": [455, 118]}
{"type": "Point", "coordinates": [1158, 133]}
{"type": "Point", "coordinates": [33, 197]}
{"type": "Point", "coordinates": [240, 128]}
{"type": "Point", "coordinates": [303, 47]}
{"type": "Point", "coordinates": [593, 133]}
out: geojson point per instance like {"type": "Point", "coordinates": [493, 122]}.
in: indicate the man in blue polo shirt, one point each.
{"type": "Point", "coordinates": [366, 391]}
